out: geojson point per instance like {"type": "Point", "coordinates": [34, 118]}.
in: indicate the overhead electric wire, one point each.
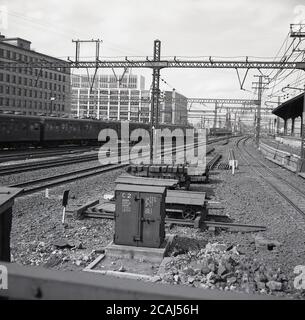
{"type": "Point", "coordinates": [287, 75]}
{"type": "Point", "coordinates": [62, 32]}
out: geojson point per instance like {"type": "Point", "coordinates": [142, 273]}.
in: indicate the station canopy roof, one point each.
{"type": "Point", "coordinates": [292, 108]}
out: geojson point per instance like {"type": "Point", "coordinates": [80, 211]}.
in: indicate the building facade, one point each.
{"type": "Point", "coordinates": [123, 98]}
{"type": "Point", "coordinates": [110, 98]}
{"type": "Point", "coordinates": [32, 91]}
{"type": "Point", "coordinates": [173, 108]}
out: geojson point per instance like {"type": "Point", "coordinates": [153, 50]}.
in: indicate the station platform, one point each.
{"type": "Point", "coordinates": [283, 155]}
{"type": "Point", "coordinates": [285, 143]}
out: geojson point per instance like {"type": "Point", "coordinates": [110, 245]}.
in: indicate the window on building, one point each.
{"type": "Point", "coordinates": [14, 79]}
{"type": "Point", "coordinates": [19, 80]}
{"type": "Point", "coordinates": [1, 76]}
{"type": "Point", "coordinates": [1, 53]}
{"type": "Point", "coordinates": [1, 89]}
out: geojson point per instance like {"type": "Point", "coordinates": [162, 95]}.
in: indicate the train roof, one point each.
{"type": "Point", "coordinates": [46, 118]}
{"type": "Point", "coordinates": [40, 118]}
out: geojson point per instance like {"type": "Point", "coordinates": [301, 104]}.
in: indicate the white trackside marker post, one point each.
{"type": "Point", "coordinates": [232, 162]}
{"type": "Point", "coordinates": [47, 193]}
{"type": "Point", "coordinates": [64, 204]}
{"type": "Point", "coordinates": [232, 166]}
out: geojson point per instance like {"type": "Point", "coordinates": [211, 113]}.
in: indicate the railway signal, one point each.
{"type": "Point", "coordinates": [64, 204]}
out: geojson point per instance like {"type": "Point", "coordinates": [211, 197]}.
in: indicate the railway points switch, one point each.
{"type": "Point", "coordinates": [140, 215]}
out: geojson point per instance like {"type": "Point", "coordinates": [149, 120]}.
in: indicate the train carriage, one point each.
{"type": "Point", "coordinates": [19, 131]}
{"type": "Point", "coordinates": [57, 130]}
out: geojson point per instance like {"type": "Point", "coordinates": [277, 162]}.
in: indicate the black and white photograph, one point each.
{"type": "Point", "coordinates": [152, 151]}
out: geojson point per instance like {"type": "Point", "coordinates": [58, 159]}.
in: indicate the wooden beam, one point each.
{"type": "Point", "coordinates": [38, 283]}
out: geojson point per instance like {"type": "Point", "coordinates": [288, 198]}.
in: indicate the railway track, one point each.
{"type": "Point", "coordinates": [37, 165]}
{"type": "Point", "coordinates": [36, 185]}
{"type": "Point", "coordinates": [292, 194]}
{"type": "Point", "coordinates": [10, 156]}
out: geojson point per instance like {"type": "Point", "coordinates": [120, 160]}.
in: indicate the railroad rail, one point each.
{"type": "Point", "coordinates": [211, 221]}
{"type": "Point", "coordinates": [293, 195]}
{"type": "Point", "coordinates": [37, 165]}
{"type": "Point", "coordinates": [41, 153]}
{"type": "Point", "coordinates": [36, 185]}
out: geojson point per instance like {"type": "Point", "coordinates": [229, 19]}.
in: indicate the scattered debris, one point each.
{"type": "Point", "coordinates": [122, 269]}
{"type": "Point", "coordinates": [265, 244]}
{"type": "Point", "coordinates": [221, 266]}
{"type": "Point", "coordinates": [63, 243]}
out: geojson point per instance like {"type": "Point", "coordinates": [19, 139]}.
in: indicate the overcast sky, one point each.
{"type": "Point", "coordinates": [226, 28]}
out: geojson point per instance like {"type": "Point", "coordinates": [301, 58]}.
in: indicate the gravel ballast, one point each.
{"type": "Point", "coordinates": [264, 262]}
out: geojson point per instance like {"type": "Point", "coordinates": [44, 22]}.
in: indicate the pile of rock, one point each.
{"type": "Point", "coordinates": [223, 267]}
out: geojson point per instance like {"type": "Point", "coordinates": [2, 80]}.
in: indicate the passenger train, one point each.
{"type": "Point", "coordinates": [18, 131]}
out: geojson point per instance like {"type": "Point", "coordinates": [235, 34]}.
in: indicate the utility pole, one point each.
{"type": "Point", "coordinates": [258, 119]}
{"type": "Point", "coordinates": [155, 94]}
{"type": "Point", "coordinates": [298, 31]}
{"type": "Point", "coordinates": [278, 118]}
{"type": "Point", "coordinates": [259, 88]}
{"type": "Point", "coordinates": [215, 116]}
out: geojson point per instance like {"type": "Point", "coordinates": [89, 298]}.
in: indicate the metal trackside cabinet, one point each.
{"type": "Point", "coordinates": [139, 215]}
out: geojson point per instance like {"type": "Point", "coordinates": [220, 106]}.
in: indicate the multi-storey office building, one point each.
{"type": "Point", "coordinates": [32, 91]}
{"type": "Point", "coordinates": [125, 100]}
{"type": "Point", "coordinates": [111, 99]}
{"type": "Point", "coordinates": [173, 108]}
